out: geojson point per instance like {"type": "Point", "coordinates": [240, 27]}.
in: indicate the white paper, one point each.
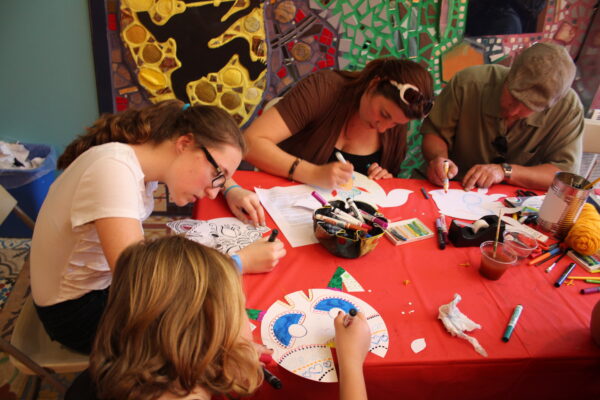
{"type": "Point", "coordinates": [295, 223]}
{"type": "Point", "coordinates": [396, 198]}
{"type": "Point", "coordinates": [466, 205]}
{"type": "Point", "coordinates": [228, 235]}
{"type": "Point", "coordinates": [300, 331]}
{"type": "Point", "coordinates": [418, 345]}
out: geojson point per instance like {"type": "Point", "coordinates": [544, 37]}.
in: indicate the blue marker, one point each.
{"type": "Point", "coordinates": [564, 275]}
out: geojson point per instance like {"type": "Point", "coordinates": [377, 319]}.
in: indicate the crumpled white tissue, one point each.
{"type": "Point", "coordinates": [458, 323]}
{"type": "Point", "coordinates": [10, 153]}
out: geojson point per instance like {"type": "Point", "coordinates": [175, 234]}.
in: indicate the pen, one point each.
{"type": "Point", "coordinates": [345, 217]}
{"type": "Point", "coordinates": [444, 227]}
{"type": "Point", "coordinates": [355, 209]}
{"type": "Point", "coordinates": [512, 322]}
{"type": "Point", "coordinates": [564, 275]}
{"type": "Point", "coordinates": [544, 256]}
{"type": "Point", "coordinates": [273, 236]}
{"type": "Point", "coordinates": [425, 194]}
{"type": "Point", "coordinates": [340, 157]}
{"type": "Point", "coordinates": [272, 379]}
{"type": "Point", "coordinates": [590, 290]}
{"type": "Point", "coordinates": [374, 219]}
{"type": "Point", "coordinates": [551, 267]}
{"type": "Point", "coordinates": [548, 258]}
{"type": "Point", "coordinates": [342, 224]}
{"type": "Point", "coordinates": [446, 180]}
{"type": "Point", "coordinates": [350, 316]}
{"type": "Point", "coordinates": [440, 233]}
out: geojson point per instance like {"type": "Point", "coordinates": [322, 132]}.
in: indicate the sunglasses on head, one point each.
{"type": "Point", "coordinates": [411, 96]}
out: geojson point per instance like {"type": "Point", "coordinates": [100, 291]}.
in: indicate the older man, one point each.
{"type": "Point", "coordinates": [519, 125]}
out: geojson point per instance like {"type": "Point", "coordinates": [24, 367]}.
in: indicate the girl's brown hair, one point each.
{"type": "Point", "coordinates": [173, 322]}
{"type": "Point", "coordinates": [156, 123]}
{"type": "Point", "coordinates": [318, 148]}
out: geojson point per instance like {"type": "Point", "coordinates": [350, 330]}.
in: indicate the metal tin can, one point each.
{"type": "Point", "coordinates": [563, 203]}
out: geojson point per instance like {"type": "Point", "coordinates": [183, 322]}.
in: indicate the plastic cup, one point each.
{"type": "Point", "coordinates": [492, 267]}
{"type": "Point", "coordinates": [520, 243]}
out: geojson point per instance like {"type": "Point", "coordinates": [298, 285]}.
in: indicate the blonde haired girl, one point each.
{"type": "Point", "coordinates": [174, 327]}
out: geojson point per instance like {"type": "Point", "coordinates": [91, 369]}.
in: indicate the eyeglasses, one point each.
{"type": "Point", "coordinates": [410, 95]}
{"type": "Point", "coordinates": [219, 180]}
{"type": "Point", "coordinates": [500, 144]}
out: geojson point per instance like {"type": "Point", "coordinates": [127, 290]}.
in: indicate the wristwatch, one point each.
{"type": "Point", "coordinates": [507, 171]}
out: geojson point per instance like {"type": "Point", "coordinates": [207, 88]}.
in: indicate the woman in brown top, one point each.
{"type": "Point", "coordinates": [361, 114]}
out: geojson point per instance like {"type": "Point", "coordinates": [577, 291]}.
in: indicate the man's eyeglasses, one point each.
{"type": "Point", "coordinates": [500, 144]}
{"type": "Point", "coordinates": [219, 180]}
{"type": "Point", "coordinates": [410, 95]}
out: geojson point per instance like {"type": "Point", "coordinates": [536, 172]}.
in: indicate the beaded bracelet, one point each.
{"type": "Point", "coordinates": [228, 189]}
{"type": "Point", "coordinates": [293, 168]}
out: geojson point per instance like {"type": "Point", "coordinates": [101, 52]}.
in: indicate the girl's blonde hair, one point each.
{"type": "Point", "coordinates": [210, 126]}
{"type": "Point", "coordinates": [173, 323]}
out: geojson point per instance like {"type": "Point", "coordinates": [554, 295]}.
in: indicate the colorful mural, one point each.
{"type": "Point", "coordinates": [239, 54]}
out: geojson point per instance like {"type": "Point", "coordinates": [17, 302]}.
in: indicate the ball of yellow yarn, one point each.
{"type": "Point", "coordinates": [584, 236]}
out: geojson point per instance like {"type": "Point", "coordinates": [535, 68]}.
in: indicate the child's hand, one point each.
{"type": "Point", "coordinates": [352, 342]}
{"type": "Point", "coordinates": [261, 256]}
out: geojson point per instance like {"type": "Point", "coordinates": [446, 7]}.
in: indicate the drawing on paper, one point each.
{"type": "Point", "coordinates": [466, 205]}
{"type": "Point", "coordinates": [363, 189]}
{"type": "Point", "coordinates": [228, 235]}
{"type": "Point", "coordinates": [300, 331]}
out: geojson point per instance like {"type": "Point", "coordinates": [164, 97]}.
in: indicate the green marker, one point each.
{"type": "Point", "coordinates": [511, 324]}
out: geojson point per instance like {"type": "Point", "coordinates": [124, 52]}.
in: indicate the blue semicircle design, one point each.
{"type": "Point", "coordinates": [334, 302]}
{"type": "Point", "coordinates": [282, 325]}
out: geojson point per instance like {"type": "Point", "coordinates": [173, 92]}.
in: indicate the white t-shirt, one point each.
{"type": "Point", "coordinates": [66, 256]}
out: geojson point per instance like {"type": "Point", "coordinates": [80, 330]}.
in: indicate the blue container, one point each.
{"type": "Point", "coordinates": [29, 187]}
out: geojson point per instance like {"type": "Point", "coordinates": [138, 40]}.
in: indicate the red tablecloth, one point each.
{"type": "Point", "coordinates": [550, 354]}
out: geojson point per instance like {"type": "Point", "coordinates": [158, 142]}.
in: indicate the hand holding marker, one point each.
{"type": "Point", "coordinates": [350, 316]}
{"type": "Point", "coordinates": [446, 180]}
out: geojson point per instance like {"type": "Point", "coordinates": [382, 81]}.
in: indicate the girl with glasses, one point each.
{"type": "Point", "coordinates": [95, 208]}
{"type": "Point", "coordinates": [362, 114]}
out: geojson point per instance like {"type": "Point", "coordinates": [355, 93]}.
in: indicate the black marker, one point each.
{"type": "Point", "coordinates": [273, 236]}
{"type": "Point", "coordinates": [272, 379]}
{"type": "Point", "coordinates": [350, 316]}
{"type": "Point", "coordinates": [440, 234]}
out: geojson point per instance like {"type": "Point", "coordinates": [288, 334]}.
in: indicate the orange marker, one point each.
{"type": "Point", "coordinates": [545, 256]}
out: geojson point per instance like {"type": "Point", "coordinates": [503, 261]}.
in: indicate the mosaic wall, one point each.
{"type": "Point", "coordinates": [239, 54]}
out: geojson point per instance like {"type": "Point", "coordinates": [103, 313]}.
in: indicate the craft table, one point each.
{"type": "Point", "coordinates": [550, 354]}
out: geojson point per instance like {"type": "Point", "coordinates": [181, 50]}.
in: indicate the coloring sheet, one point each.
{"type": "Point", "coordinates": [300, 331]}
{"type": "Point", "coordinates": [395, 198]}
{"type": "Point", "coordinates": [228, 235]}
{"type": "Point", "coordinates": [466, 205]}
{"type": "Point", "coordinates": [363, 189]}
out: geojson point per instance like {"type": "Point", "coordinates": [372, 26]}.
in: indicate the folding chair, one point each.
{"type": "Point", "coordinates": [30, 349]}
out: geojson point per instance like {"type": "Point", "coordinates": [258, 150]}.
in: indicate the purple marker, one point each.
{"type": "Point", "coordinates": [374, 219]}
{"type": "Point", "coordinates": [590, 290]}
{"type": "Point", "coordinates": [319, 198]}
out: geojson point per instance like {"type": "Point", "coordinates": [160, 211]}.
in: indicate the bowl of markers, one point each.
{"type": "Point", "coordinates": [348, 229]}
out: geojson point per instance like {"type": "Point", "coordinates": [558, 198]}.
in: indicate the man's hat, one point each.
{"type": "Point", "coordinates": [541, 75]}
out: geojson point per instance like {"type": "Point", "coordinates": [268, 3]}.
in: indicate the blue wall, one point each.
{"type": "Point", "coordinates": [47, 83]}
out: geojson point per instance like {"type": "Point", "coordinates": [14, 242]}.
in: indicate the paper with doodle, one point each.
{"type": "Point", "coordinates": [466, 205]}
{"type": "Point", "coordinates": [228, 235]}
{"type": "Point", "coordinates": [300, 331]}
